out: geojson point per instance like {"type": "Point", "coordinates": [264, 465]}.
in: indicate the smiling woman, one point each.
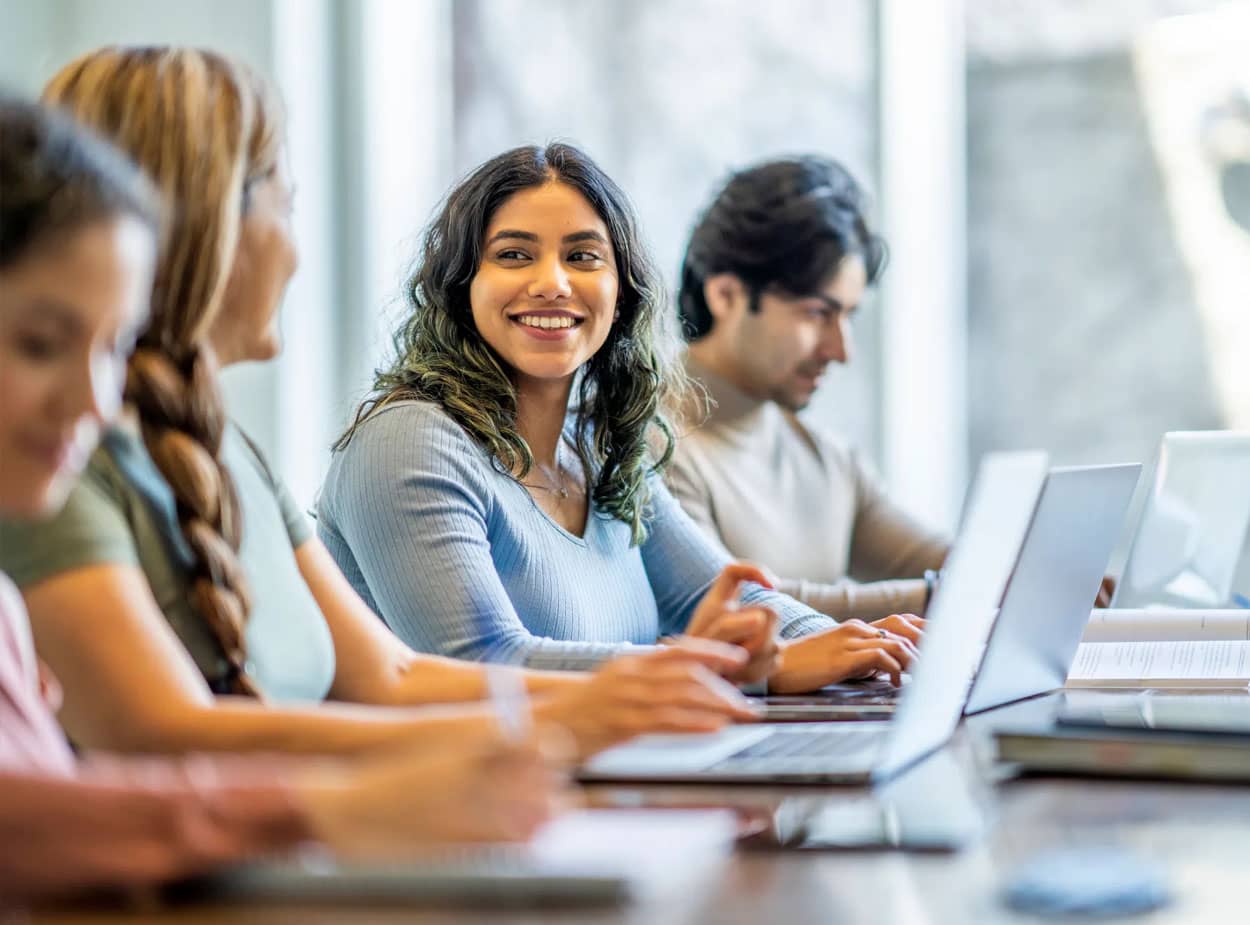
{"type": "Point", "coordinates": [73, 295]}
{"type": "Point", "coordinates": [533, 234]}
{"type": "Point", "coordinates": [497, 497]}
{"type": "Point", "coordinates": [544, 297]}
{"type": "Point", "coordinates": [183, 544]}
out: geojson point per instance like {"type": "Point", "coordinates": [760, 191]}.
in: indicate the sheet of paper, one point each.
{"type": "Point", "coordinates": [1149, 662]}
{"type": "Point", "coordinates": [1161, 625]}
{"type": "Point", "coordinates": [654, 848]}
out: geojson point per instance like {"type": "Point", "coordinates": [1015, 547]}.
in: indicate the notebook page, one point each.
{"type": "Point", "coordinates": [1146, 664]}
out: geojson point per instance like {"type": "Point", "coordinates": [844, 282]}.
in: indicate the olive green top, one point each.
{"type": "Point", "coordinates": [122, 512]}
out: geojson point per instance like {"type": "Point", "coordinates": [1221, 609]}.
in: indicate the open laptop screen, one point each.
{"type": "Point", "coordinates": [999, 510]}
{"type": "Point", "coordinates": [1191, 533]}
{"type": "Point", "coordinates": [1079, 517]}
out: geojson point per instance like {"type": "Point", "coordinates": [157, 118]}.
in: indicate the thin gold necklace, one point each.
{"type": "Point", "coordinates": [562, 489]}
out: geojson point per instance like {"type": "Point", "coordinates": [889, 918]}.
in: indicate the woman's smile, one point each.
{"type": "Point", "coordinates": [548, 324]}
{"type": "Point", "coordinates": [544, 296]}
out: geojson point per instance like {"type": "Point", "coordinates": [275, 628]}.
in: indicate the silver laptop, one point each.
{"type": "Point", "coordinates": [872, 698]}
{"type": "Point", "coordinates": [1063, 558]}
{"type": "Point", "coordinates": [1189, 540]}
{"type": "Point", "coordinates": [1079, 518]}
{"type": "Point", "coordinates": [1001, 506]}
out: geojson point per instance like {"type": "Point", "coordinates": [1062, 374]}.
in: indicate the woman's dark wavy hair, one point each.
{"type": "Point", "coordinates": [782, 225]}
{"type": "Point", "coordinates": [623, 393]}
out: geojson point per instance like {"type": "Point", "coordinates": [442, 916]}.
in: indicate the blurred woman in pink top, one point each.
{"type": "Point", "coordinates": [78, 243]}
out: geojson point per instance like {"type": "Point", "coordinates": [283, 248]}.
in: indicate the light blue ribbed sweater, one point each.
{"type": "Point", "coordinates": [459, 560]}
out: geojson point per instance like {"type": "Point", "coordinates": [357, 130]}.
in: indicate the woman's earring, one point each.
{"type": "Point", "coordinates": [616, 316]}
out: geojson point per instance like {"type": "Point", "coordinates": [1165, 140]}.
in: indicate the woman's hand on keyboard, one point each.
{"type": "Point", "coordinates": [721, 617]}
{"type": "Point", "coordinates": [852, 649]}
{"type": "Point", "coordinates": [678, 688]}
{"type": "Point", "coordinates": [907, 625]}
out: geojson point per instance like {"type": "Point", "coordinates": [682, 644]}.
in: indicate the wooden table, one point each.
{"type": "Point", "coordinates": [1200, 834]}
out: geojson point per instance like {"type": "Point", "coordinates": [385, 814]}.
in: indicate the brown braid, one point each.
{"type": "Point", "coordinates": [182, 424]}
{"type": "Point", "coordinates": [203, 128]}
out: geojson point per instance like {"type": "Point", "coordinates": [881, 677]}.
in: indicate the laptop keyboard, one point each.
{"type": "Point", "coordinates": [805, 750]}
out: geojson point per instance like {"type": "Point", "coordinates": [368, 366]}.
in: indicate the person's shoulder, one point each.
{"type": "Point", "coordinates": [102, 485]}
{"type": "Point", "coordinates": [825, 439]}
{"type": "Point", "coordinates": [693, 406]}
{"type": "Point", "coordinates": [240, 450]}
{"type": "Point", "coordinates": [690, 462]}
{"type": "Point", "coordinates": [837, 451]}
{"type": "Point", "coordinates": [407, 435]}
{"type": "Point", "coordinates": [236, 436]}
{"type": "Point", "coordinates": [104, 473]}
{"type": "Point", "coordinates": [696, 431]}
{"type": "Point", "coordinates": [14, 628]}
{"type": "Point", "coordinates": [93, 525]}
{"type": "Point", "coordinates": [405, 446]}
{"type": "Point", "coordinates": [10, 598]}
{"type": "Point", "coordinates": [409, 420]}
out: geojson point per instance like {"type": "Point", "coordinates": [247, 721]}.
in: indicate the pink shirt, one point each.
{"type": "Point", "coordinates": [30, 739]}
{"type": "Point", "coordinates": [116, 821]}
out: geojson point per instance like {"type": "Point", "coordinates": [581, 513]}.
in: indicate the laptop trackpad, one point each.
{"type": "Point", "coordinates": [675, 753]}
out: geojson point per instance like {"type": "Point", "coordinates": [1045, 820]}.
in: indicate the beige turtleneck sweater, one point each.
{"type": "Point", "coordinates": [777, 492]}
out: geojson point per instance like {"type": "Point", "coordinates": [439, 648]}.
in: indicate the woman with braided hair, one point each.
{"type": "Point", "coordinates": [77, 249]}
{"type": "Point", "coordinates": [179, 574]}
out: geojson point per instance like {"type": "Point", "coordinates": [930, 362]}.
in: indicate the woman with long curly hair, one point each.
{"type": "Point", "coordinates": [498, 496]}
{"type": "Point", "coordinates": [180, 594]}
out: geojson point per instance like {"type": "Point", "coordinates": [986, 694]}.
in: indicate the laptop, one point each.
{"type": "Point", "coordinates": [1001, 506]}
{"type": "Point", "coordinates": [932, 806]}
{"type": "Point", "coordinates": [1188, 543]}
{"type": "Point", "coordinates": [1032, 643]}
{"type": "Point", "coordinates": [1063, 558]}
{"type": "Point", "coordinates": [871, 698]}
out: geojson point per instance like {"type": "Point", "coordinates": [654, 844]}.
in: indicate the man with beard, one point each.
{"type": "Point", "coordinates": [773, 273]}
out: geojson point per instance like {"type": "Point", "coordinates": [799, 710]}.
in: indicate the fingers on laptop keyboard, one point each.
{"type": "Point", "coordinates": [880, 650]}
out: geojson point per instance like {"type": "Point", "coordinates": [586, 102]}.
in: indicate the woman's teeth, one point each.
{"type": "Point", "coordinates": [546, 321]}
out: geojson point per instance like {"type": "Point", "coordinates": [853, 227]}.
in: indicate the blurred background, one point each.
{"type": "Point", "coordinates": [1065, 186]}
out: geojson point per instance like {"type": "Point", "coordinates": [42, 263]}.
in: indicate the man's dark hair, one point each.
{"type": "Point", "coordinates": [781, 226]}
